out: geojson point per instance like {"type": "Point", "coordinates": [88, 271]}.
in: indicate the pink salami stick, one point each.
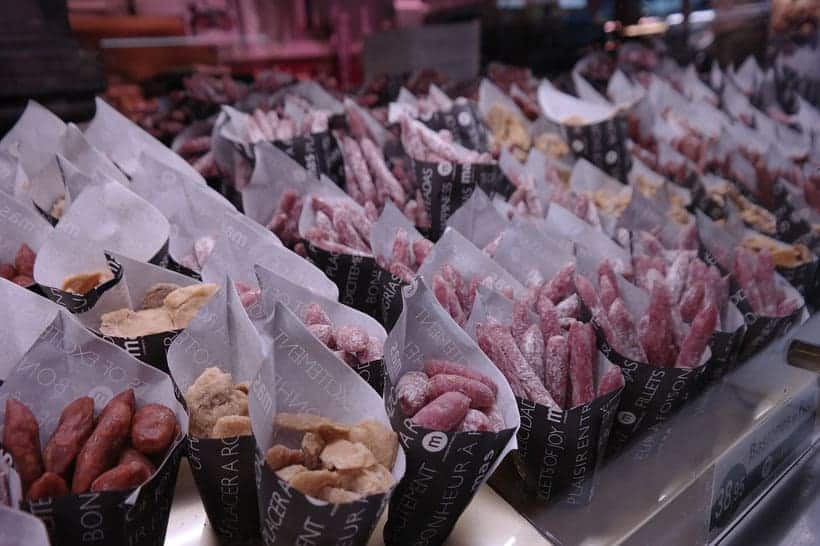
{"type": "Point", "coordinates": [443, 413]}
{"type": "Point", "coordinates": [320, 204]}
{"type": "Point", "coordinates": [655, 333]}
{"type": "Point", "coordinates": [486, 334]}
{"type": "Point", "coordinates": [626, 336]}
{"type": "Point", "coordinates": [401, 247]}
{"type": "Point", "coordinates": [412, 392]}
{"type": "Point", "coordinates": [569, 308]}
{"type": "Point", "coordinates": [581, 361]}
{"type": "Point", "coordinates": [688, 237]}
{"type": "Point", "coordinates": [561, 285]}
{"type": "Point", "coordinates": [608, 291]}
{"type": "Point", "coordinates": [386, 183]}
{"type": "Point", "coordinates": [764, 276]}
{"type": "Point", "coordinates": [520, 318]}
{"type": "Point", "coordinates": [531, 345]}
{"type": "Point", "coordinates": [479, 394]}
{"type": "Point", "coordinates": [352, 185]}
{"type": "Point", "coordinates": [514, 363]}
{"type": "Point", "coordinates": [745, 266]}
{"type": "Point", "coordinates": [446, 296]}
{"type": "Point", "coordinates": [421, 247]}
{"type": "Point", "coordinates": [676, 275]}
{"type": "Point", "coordinates": [695, 343]}
{"type": "Point", "coordinates": [401, 271]}
{"type": "Point", "coordinates": [648, 245]}
{"type": "Point", "coordinates": [606, 269]}
{"type": "Point", "coordinates": [324, 333]}
{"type": "Point", "coordinates": [474, 421]}
{"type": "Point", "coordinates": [548, 322]}
{"type": "Point", "coordinates": [556, 369]}
{"type": "Point", "coordinates": [348, 235]}
{"type": "Point", "coordinates": [436, 366]}
{"type": "Point", "coordinates": [612, 380]}
{"type": "Point", "coordinates": [353, 155]}
{"type": "Point", "coordinates": [692, 301]}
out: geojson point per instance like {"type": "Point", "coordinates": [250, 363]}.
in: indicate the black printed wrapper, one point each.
{"type": "Point", "coordinates": [789, 227]}
{"type": "Point", "coordinates": [447, 186]}
{"type": "Point", "coordinates": [75, 303]}
{"type": "Point", "coordinates": [100, 518]}
{"type": "Point", "coordinates": [289, 518]}
{"type": "Point", "coordinates": [803, 277]}
{"type": "Point", "coordinates": [222, 469]}
{"type": "Point", "coordinates": [372, 372]}
{"type": "Point", "coordinates": [444, 471]}
{"type": "Point", "coordinates": [603, 144]}
{"type": "Point", "coordinates": [463, 122]}
{"type": "Point", "coordinates": [651, 394]}
{"type": "Point", "coordinates": [559, 450]}
{"type": "Point", "coordinates": [760, 329]}
{"type": "Point", "coordinates": [725, 347]}
{"type": "Point", "coordinates": [359, 278]}
{"type": "Point", "coordinates": [391, 302]}
{"type": "Point", "coordinates": [318, 153]}
{"type": "Point", "coordinates": [151, 349]}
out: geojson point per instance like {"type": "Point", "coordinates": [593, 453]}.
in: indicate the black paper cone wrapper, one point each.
{"type": "Point", "coordinates": [603, 144]}
{"type": "Point", "coordinates": [446, 186]}
{"type": "Point", "coordinates": [391, 302]}
{"type": "Point", "coordinates": [559, 451]}
{"type": "Point", "coordinates": [803, 278]}
{"type": "Point", "coordinates": [372, 372]}
{"type": "Point", "coordinates": [151, 349]}
{"type": "Point", "coordinates": [651, 394]}
{"type": "Point", "coordinates": [319, 153]}
{"type": "Point", "coordinates": [444, 470]}
{"type": "Point", "coordinates": [106, 518]}
{"type": "Point", "coordinates": [76, 303]}
{"type": "Point", "coordinates": [223, 471]}
{"type": "Point", "coordinates": [288, 517]}
{"type": "Point", "coordinates": [463, 122]}
{"type": "Point", "coordinates": [359, 278]}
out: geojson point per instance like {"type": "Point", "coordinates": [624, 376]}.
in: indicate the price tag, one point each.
{"type": "Point", "coordinates": [754, 462]}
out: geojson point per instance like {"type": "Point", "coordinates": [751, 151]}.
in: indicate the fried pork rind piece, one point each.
{"type": "Point", "coordinates": [232, 425]}
{"type": "Point", "coordinates": [336, 463]}
{"type": "Point", "coordinates": [213, 396]}
{"type": "Point", "coordinates": [179, 306]}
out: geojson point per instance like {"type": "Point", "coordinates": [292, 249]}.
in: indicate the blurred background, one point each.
{"type": "Point", "coordinates": [63, 52]}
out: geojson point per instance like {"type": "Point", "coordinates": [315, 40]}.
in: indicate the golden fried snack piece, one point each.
{"type": "Point", "coordinates": [212, 396]}
{"type": "Point", "coordinates": [82, 283]}
{"type": "Point", "coordinates": [279, 456]}
{"type": "Point", "coordinates": [552, 145]}
{"type": "Point", "coordinates": [306, 422]}
{"type": "Point", "coordinates": [130, 324]}
{"type": "Point", "coordinates": [312, 482]}
{"type": "Point", "coordinates": [345, 455]}
{"type": "Point", "coordinates": [382, 441]}
{"type": "Point", "coordinates": [287, 473]}
{"type": "Point", "coordinates": [155, 295]}
{"type": "Point", "coordinates": [368, 481]}
{"type": "Point", "coordinates": [184, 303]}
{"type": "Point", "coordinates": [507, 128]}
{"type": "Point", "coordinates": [312, 446]}
{"type": "Point", "coordinates": [783, 255]}
{"type": "Point", "coordinates": [232, 425]}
